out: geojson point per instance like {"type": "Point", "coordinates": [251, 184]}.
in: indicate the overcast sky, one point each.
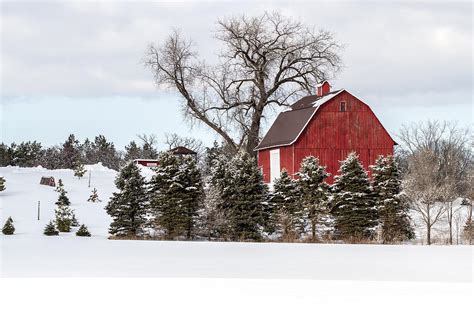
{"type": "Point", "coordinates": [76, 67]}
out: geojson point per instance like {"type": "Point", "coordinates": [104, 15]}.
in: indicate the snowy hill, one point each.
{"type": "Point", "coordinates": [30, 253]}
{"type": "Point", "coordinates": [20, 200]}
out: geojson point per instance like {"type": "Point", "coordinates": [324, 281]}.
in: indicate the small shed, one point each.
{"type": "Point", "coordinates": [183, 151]}
{"type": "Point", "coordinates": [146, 162]}
{"type": "Point", "coordinates": [48, 181]}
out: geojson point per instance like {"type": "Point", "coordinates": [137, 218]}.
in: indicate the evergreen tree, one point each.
{"type": "Point", "coordinates": [211, 157]}
{"type": "Point", "coordinates": [83, 231]}
{"type": "Point", "coordinates": [314, 192]}
{"type": "Point", "coordinates": [243, 194]}
{"type": "Point", "coordinates": [128, 207]}
{"type": "Point", "coordinates": [176, 194]}
{"type": "Point", "coordinates": [64, 217]}
{"type": "Point", "coordinates": [393, 210]}
{"type": "Point", "coordinates": [213, 223]}
{"type": "Point", "coordinates": [2, 184]}
{"type": "Point", "coordinates": [79, 170]}
{"type": "Point", "coordinates": [63, 199]}
{"type": "Point", "coordinates": [353, 203]}
{"type": "Point", "coordinates": [132, 152]}
{"type": "Point", "coordinates": [74, 221]}
{"type": "Point", "coordinates": [8, 228]}
{"type": "Point", "coordinates": [50, 229]}
{"type": "Point", "coordinates": [59, 186]}
{"type": "Point", "coordinates": [94, 198]}
{"type": "Point", "coordinates": [70, 152]}
{"type": "Point", "coordinates": [287, 208]}
{"type": "Point", "coordinates": [104, 151]}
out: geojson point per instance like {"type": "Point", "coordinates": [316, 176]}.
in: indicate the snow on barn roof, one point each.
{"type": "Point", "coordinates": [290, 124]}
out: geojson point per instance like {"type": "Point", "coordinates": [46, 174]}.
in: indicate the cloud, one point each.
{"type": "Point", "coordinates": [88, 48]}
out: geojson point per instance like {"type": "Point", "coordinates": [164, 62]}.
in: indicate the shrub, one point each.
{"type": "Point", "coordinates": [50, 229]}
{"type": "Point", "coordinates": [83, 232]}
{"type": "Point", "coordinates": [8, 228]}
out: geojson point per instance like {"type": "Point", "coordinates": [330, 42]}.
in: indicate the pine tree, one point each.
{"type": "Point", "coordinates": [60, 186]}
{"type": "Point", "coordinates": [70, 152]}
{"type": "Point", "coordinates": [392, 208]}
{"type": "Point", "coordinates": [83, 231]}
{"type": "Point", "coordinates": [287, 208]}
{"type": "Point", "coordinates": [74, 221]}
{"type": "Point", "coordinates": [64, 217]}
{"type": "Point", "coordinates": [50, 229]}
{"type": "Point", "coordinates": [314, 192]}
{"type": "Point", "coordinates": [353, 205]}
{"type": "Point", "coordinates": [94, 198]}
{"type": "Point", "coordinates": [128, 207]}
{"type": "Point", "coordinates": [132, 152]}
{"type": "Point", "coordinates": [63, 199]}
{"type": "Point", "coordinates": [243, 194]}
{"type": "Point", "coordinates": [176, 195]}
{"type": "Point", "coordinates": [8, 228]}
{"type": "Point", "coordinates": [2, 184]}
{"type": "Point", "coordinates": [79, 170]}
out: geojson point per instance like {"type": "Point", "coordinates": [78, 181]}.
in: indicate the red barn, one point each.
{"type": "Point", "coordinates": [329, 126]}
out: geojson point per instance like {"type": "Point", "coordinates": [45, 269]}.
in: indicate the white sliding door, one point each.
{"type": "Point", "coordinates": [274, 164]}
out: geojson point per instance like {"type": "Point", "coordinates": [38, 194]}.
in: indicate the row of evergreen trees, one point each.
{"type": "Point", "coordinates": [71, 153]}
{"type": "Point", "coordinates": [233, 203]}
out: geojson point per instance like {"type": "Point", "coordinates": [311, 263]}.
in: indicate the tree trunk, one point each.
{"type": "Point", "coordinates": [428, 233]}
{"type": "Point", "coordinates": [450, 222]}
{"type": "Point", "coordinates": [254, 131]}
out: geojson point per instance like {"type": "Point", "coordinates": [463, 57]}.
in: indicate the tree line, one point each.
{"type": "Point", "coordinates": [72, 152]}
{"type": "Point", "coordinates": [224, 197]}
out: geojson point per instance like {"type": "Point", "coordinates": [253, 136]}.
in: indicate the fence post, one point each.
{"type": "Point", "coordinates": [39, 210]}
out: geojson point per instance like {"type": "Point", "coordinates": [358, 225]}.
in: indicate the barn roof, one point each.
{"type": "Point", "coordinates": [288, 126]}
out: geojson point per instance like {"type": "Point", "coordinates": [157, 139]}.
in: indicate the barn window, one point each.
{"type": "Point", "coordinates": [342, 106]}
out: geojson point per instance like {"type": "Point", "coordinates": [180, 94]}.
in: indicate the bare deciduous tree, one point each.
{"type": "Point", "coordinates": [173, 140]}
{"type": "Point", "coordinates": [424, 189]}
{"type": "Point", "coordinates": [265, 61]}
{"type": "Point", "coordinates": [448, 146]}
{"type": "Point", "coordinates": [149, 148]}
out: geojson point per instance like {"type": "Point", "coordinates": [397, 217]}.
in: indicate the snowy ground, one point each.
{"type": "Point", "coordinates": [31, 254]}
{"type": "Point", "coordinates": [269, 274]}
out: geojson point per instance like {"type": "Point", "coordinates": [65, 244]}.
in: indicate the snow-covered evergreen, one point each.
{"type": "Point", "coordinates": [63, 199]}
{"type": "Point", "coordinates": [83, 231]}
{"type": "Point", "coordinates": [59, 186]}
{"type": "Point", "coordinates": [176, 193]}
{"type": "Point", "coordinates": [288, 212]}
{"type": "Point", "coordinates": [392, 208]}
{"type": "Point", "coordinates": [8, 228]}
{"type": "Point", "coordinates": [314, 193]}
{"type": "Point", "coordinates": [243, 194]}
{"type": "Point", "coordinates": [353, 204]}
{"type": "Point", "coordinates": [2, 184]}
{"type": "Point", "coordinates": [128, 207]}
{"type": "Point", "coordinates": [94, 198]}
{"type": "Point", "coordinates": [64, 217]}
{"type": "Point", "coordinates": [79, 170]}
{"type": "Point", "coordinates": [50, 229]}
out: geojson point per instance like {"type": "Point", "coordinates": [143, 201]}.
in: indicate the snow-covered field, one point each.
{"type": "Point", "coordinates": [410, 269]}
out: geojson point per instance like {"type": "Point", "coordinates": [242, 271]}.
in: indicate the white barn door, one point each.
{"type": "Point", "coordinates": [274, 164]}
